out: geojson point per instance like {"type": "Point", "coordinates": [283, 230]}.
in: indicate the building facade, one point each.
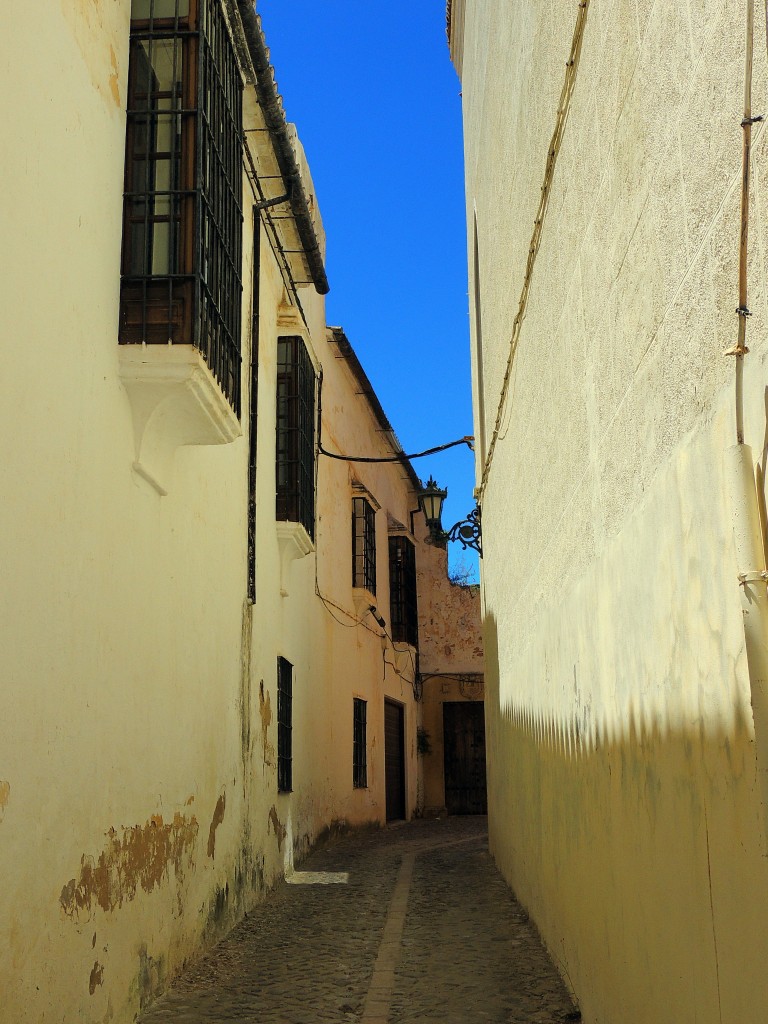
{"type": "Point", "coordinates": [452, 747]}
{"type": "Point", "coordinates": [621, 453]}
{"type": "Point", "coordinates": [208, 637]}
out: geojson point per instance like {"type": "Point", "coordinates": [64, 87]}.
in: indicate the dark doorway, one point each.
{"type": "Point", "coordinates": [464, 736]}
{"type": "Point", "coordinates": [394, 760]}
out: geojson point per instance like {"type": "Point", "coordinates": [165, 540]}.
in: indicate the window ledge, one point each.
{"type": "Point", "coordinates": [294, 542]}
{"type": "Point", "coordinates": [175, 400]}
{"type": "Point", "coordinates": [403, 646]}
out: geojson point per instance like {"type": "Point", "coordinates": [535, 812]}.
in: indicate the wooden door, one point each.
{"type": "Point", "coordinates": [394, 760]}
{"type": "Point", "coordinates": [464, 745]}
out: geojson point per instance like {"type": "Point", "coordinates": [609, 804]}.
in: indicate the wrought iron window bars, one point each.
{"type": "Point", "coordinates": [182, 210]}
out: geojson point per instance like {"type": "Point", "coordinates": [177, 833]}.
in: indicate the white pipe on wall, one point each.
{"type": "Point", "coordinates": [750, 556]}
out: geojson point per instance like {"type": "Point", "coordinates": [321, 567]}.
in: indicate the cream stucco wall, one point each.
{"type": "Point", "coordinates": [121, 609]}
{"type": "Point", "coordinates": [139, 813]}
{"type": "Point", "coordinates": [367, 663]}
{"type": "Point", "coordinates": [623, 798]}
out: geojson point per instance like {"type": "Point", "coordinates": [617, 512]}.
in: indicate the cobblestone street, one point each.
{"type": "Point", "coordinates": [410, 923]}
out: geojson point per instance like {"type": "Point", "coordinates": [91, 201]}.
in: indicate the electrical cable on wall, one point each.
{"type": "Point", "coordinates": [569, 84]}
{"type": "Point", "coordinates": [328, 604]}
{"type": "Point", "coordinates": [264, 206]}
{"type": "Point", "coordinates": [739, 350]}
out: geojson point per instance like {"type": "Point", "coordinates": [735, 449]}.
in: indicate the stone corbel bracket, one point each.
{"type": "Point", "coordinates": [363, 601]}
{"type": "Point", "coordinates": [175, 400]}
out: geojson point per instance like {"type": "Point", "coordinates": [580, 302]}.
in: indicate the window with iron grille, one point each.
{"type": "Point", "coordinates": [284, 726]}
{"type": "Point", "coordinates": [402, 591]}
{"type": "Point", "coordinates": [359, 745]}
{"type": "Point", "coordinates": [295, 458]}
{"type": "Point", "coordinates": [182, 208]}
{"type": "Point", "coordinates": [363, 544]}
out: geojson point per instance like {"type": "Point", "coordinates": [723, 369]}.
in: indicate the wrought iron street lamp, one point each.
{"type": "Point", "coordinates": [431, 500]}
{"type": "Point", "coordinates": [467, 531]}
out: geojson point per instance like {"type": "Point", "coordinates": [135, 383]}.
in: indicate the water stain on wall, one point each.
{"type": "Point", "coordinates": [218, 910]}
{"type": "Point", "coordinates": [277, 826]}
{"type": "Point", "coordinates": [150, 979]}
{"type": "Point", "coordinates": [91, 31]}
{"type": "Point", "coordinates": [218, 817]}
{"type": "Point", "coordinates": [97, 977]}
{"type": "Point", "coordinates": [137, 857]}
{"type": "Point", "coordinates": [17, 948]}
{"type": "Point", "coordinates": [114, 78]}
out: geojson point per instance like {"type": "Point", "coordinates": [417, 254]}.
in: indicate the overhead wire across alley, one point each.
{"type": "Point", "coordinates": [468, 440]}
{"type": "Point", "coordinates": [331, 606]}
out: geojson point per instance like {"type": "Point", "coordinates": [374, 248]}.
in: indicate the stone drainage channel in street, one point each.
{"type": "Point", "coordinates": [409, 923]}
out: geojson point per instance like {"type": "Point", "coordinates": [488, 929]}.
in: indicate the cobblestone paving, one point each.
{"type": "Point", "coordinates": [457, 947]}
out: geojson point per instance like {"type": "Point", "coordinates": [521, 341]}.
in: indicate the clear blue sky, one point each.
{"type": "Point", "coordinates": [375, 98]}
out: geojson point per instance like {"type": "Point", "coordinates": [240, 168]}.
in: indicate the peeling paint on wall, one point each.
{"type": "Point", "coordinates": [97, 977]}
{"type": "Point", "coordinates": [5, 796]}
{"type": "Point", "coordinates": [218, 817]}
{"type": "Point", "coordinates": [140, 857]}
{"type": "Point", "coordinates": [277, 826]}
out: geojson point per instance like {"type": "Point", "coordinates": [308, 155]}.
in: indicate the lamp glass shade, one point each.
{"type": "Point", "coordinates": [431, 500]}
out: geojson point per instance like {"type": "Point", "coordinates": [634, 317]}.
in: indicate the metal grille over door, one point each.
{"type": "Point", "coordinates": [394, 760]}
{"type": "Point", "coordinates": [464, 735]}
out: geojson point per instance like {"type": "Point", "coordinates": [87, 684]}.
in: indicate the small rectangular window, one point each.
{"type": "Point", "coordinates": [295, 453]}
{"type": "Point", "coordinates": [402, 591]}
{"type": "Point", "coordinates": [284, 726]}
{"type": "Point", "coordinates": [359, 745]}
{"type": "Point", "coordinates": [363, 544]}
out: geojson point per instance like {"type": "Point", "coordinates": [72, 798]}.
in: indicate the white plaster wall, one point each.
{"type": "Point", "coordinates": [121, 610]}
{"type": "Point", "coordinates": [139, 814]}
{"type": "Point", "coordinates": [623, 801]}
{"type": "Point", "coordinates": [364, 661]}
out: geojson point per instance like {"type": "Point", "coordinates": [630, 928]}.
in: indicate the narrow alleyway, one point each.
{"type": "Point", "coordinates": [411, 923]}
